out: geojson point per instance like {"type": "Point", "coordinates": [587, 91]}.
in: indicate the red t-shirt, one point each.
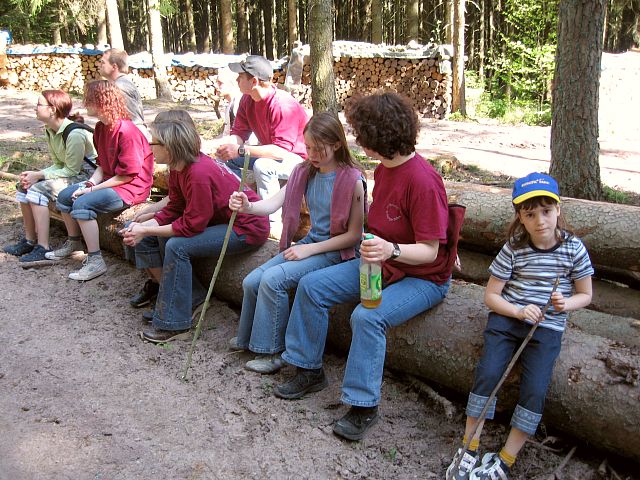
{"type": "Point", "coordinates": [199, 198]}
{"type": "Point", "coordinates": [409, 206]}
{"type": "Point", "coordinates": [123, 150]}
{"type": "Point", "coordinates": [276, 120]}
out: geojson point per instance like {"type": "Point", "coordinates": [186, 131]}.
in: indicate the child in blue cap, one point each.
{"type": "Point", "coordinates": [539, 249]}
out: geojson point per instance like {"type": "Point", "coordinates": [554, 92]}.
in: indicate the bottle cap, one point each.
{"type": "Point", "coordinates": [368, 236]}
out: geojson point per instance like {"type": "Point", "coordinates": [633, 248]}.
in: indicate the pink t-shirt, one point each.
{"type": "Point", "coordinates": [123, 150]}
{"type": "Point", "coordinates": [199, 198]}
{"type": "Point", "coordinates": [276, 120]}
{"type": "Point", "coordinates": [409, 206]}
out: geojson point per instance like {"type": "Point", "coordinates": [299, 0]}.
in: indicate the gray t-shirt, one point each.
{"type": "Point", "coordinates": [132, 99]}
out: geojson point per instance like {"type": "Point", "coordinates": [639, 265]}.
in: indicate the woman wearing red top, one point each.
{"type": "Point", "coordinates": [123, 178]}
{"type": "Point", "coordinates": [191, 224]}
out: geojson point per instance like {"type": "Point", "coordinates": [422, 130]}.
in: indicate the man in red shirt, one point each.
{"type": "Point", "coordinates": [276, 119]}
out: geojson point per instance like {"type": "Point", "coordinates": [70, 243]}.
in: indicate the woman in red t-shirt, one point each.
{"type": "Point", "coordinates": [123, 177]}
{"type": "Point", "coordinates": [192, 223]}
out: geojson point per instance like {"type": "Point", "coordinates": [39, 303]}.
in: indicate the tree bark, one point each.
{"type": "Point", "coordinates": [609, 298]}
{"type": "Point", "coordinates": [609, 231]}
{"type": "Point", "coordinates": [102, 24]}
{"type": "Point", "coordinates": [242, 26]}
{"type": "Point", "coordinates": [323, 93]}
{"type": "Point", "coordinates": [413, 21]}
{"type": "Point", "coordinates": [292, 23]}
{"type": "Point", "coordinates": [281, 42]}
{"type": "Point", "coordinates": [574, 128]}
{"type": "Point", "coordinates": [267, 13]}
{"type": "Point", "coordinates": [157, 51]}
{"type": "Point", "coordinates": [448, 21]}
{"type": "Point", "coordinates": [191, 29]}
{"type": "Point", "coordinates": [457, 99]}
{"type": "Point", "coordinates": [227, 26]}
{"type": "Point", "coordinates": [376, 21]}
{"type": "Point", "coordinates": [113, 22]}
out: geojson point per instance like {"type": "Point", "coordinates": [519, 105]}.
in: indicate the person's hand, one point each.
{"type": "Point", "coordinates": [133, 234]}
{"type": "Point", "coordinates": [79, 191]}
{"type": "Point", "coordinates": [376, 249]}
{"type": "Point", "coordinates": [299, 252]}
{"type": "Point", "coordinates": [28, 178]}
{"type": "Point", "coordinates": [238, 201]}
{"type": "Point", "coordinates": [530, 312]}
{"type": "Point", "coordinates": [143, 216]}
{"type": "Point", "coordinates": [558, 301]}
{"type": "Point", "coordinates": [228, 151]}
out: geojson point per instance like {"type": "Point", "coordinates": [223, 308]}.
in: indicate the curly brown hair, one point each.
{"type": "Point", "coordinates": [106, 97]}
{"type": "Point", "coordinates": [384, 122]}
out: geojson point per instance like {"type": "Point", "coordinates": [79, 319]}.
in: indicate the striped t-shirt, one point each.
{"type": "Point", "coordinates": [530, 274]}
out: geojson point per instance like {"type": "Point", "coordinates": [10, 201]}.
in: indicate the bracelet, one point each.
{"type": "Point", "coordinates": [91, 188]}
{"type": "Point", "coordinates": [89, 183]}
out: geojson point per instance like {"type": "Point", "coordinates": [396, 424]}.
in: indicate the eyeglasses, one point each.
{"type": "Point", "coordinates": [43, 105]}
{"type": "Point", "coordinates": [157, 143]}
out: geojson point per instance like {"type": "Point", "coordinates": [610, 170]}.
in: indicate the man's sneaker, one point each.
{"type": "Point", "coordinates": [265, 364]}
{"type": "Point", "coordinates": [356, 422]}
{"type": "Point", "coordinates": [492, 468]}
{"type": "Point", "coordinates": [20, 248]}
{"type": "Point", "coordinates": [92, 267]}
{"type": "Point", "coordinates": [145, 296]}
{"type": "Point", "coordinates": [147, 316]}
{"type": "Point", "coordinates": [467, 464]}
{"type": "Point", "coordinates": [66, 250]}
{"type": "Point", "coordinates": [155, 335]}
{"type": "Point", "coordinates": [305, 381]}
{"type": "Point", "coordinates": [35, 258]}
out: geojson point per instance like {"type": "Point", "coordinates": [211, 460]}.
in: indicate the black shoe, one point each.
{"type": "Point", "coordinates": [162, 336]}
{"type": "Point", "coordinates": [354, 425]}
{"type": "Point", "coordinates": [20, 248]}
{"type": "Point", "coordinates": [35, 258]}
{"type": "Point", "coordinates": [305, 381]}
{"type": "Point", "coordinates": [146, 295]}
{"type": "Point", "coordinates": [147, 315]}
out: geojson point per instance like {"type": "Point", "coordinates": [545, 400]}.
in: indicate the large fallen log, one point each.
{"type": "Point", "coordinates": [609, 231]}
{"type": "Point", "coordinates": [594, 395]}
{"type": "Point", "coordinates": [608, 297]}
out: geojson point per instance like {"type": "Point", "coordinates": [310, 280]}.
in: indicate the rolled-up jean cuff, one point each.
{"type": "Point", "coordinates": [476, 403]}
{"type": "Point", "coordinates": [83, 214]}
{"type": "Point", "coordinates": [21, 197]}
{"type": "Point", "coordinates": [525, 420]}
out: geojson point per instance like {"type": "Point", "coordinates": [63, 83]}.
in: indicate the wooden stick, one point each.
{"type": "Point", "coordinates": [205, 306]}
{"type": "Point", "coordinates": [555, 473]}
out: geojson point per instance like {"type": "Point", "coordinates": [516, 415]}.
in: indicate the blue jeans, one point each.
{"type": "Point", "coordinates": [502, 338]}
{"type": "Point", "coordinates": [265, 303]}
{"type": "Point", "coordinates": [308, 324]}
{"type": "Point", "coordinates": [89, 205]}
{"type": "Point", "coordinates": [179, 288]}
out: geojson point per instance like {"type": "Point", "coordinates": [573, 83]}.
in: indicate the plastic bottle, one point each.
{"type": "Point", "coordinates": [370, 281]}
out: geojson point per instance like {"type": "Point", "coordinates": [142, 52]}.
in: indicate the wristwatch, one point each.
{"type": "Point", "coordinates": [396, 252]}
{"type": "Point", "coordinates": [241, 150]}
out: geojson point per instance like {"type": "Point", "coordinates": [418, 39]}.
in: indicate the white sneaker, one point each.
{"type": "Point", "coordinates": [92, 267]}
{"type": "Point", "coordinates": [265, 364]}
{"type": "Point", "coordinates": [66, 250]}
{"type": "Point", "coordinates": [467, 464]}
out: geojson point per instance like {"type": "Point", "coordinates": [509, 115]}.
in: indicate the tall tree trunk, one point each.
{"type": "Point", "coordinates": [448, 21]}
{"type": "Point", "coordinates": [255, 27]}
{"type": "Point", "coordinates": [302, 23]}
{"type": "Point", "coordinates": [205, 26]}
{"type": "Point", "coordinates": [102, 24]}
{"type": "Point", "coordinates": [292, 12]}
{"type": "Point", "coordinates": [268, 28]}
{"type": "Point", "coordinates": [574, 129]}
{"type": "Point", "coordinates": [457, 99]}
{"type": "Point", "coordinates": [241, 22]}
{"type": "Point", "coordinates": [629, 26]}
{"type": "Point", "coordinates": [157, 51]}
{"type": "Point", "coordinates": [413, 20]}
{"type": "Point", "coordinates": [365, 23]}
{"type": "Point", "coordinates": [281, 41]}
{"type": "Point", "coordinates": [481, 40]}
{"type": "Point", "coordinates": [57, 31]}
{"type": "Point", "coordinates": [323, 93]}
{"type": "Point", "coordinates": [376, 21]}
{"type": "Point", "coordinates": [113, 21]}
{"type": "Point", "coordinates": [214, 8]}
{"type": "Point", "coordinates": [190, 38]}
{"type": "Point", "coordinates": [226, 26]}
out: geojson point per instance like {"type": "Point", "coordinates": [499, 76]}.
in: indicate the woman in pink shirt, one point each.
{"type": "Point", "coordinates": [123, 177]}
{"type": "Point", "coordinates": [192, 223]}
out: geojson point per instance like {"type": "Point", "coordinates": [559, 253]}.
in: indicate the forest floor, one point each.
{"type": "Point", "coordinates": [82, 397]}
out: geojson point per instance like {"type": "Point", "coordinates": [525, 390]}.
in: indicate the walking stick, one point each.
{"type": "Point", "coordinates": [205, 306]}
{"type": "Point", "coordinates": [513, 361]}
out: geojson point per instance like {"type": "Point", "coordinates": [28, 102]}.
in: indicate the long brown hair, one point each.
{"type": "Point", "coordinates": [324, 128]}
{"type": "Point", "coordinates": [518, 235]}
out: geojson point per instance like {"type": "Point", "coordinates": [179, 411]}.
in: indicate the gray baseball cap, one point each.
{"type": "Point", "coordinates": [255, 65]}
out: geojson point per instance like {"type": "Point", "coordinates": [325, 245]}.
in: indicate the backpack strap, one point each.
{"type": "Point", "coordinates": [74, 126]}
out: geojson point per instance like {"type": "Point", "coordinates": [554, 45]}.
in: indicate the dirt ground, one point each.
{"type": "Point", "coordinates": [82, 397]}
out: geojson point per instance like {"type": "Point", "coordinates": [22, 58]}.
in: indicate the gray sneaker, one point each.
{"type": "Point", "coordinates": [66, 250]}
{"type": "Point", "coordinates": [233, 345]}
{"type": "Point", "coordinates": [92, 267]}
{"type": "Point", "coordinates": [265, 364]}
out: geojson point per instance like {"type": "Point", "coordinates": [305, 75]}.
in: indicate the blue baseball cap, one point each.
{"type": "Point", "coordinates": [535, 185]}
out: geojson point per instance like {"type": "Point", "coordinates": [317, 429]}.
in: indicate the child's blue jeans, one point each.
{"type": "Point", "coordinates": [502, 337]}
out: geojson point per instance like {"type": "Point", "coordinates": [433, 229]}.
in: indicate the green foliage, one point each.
{"type": "Point", "coordinates": [391, 454]}
{"type": "Point", "coordinates": [615, 196]}
{"type": "Point", "coordinates": [514, 112]}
